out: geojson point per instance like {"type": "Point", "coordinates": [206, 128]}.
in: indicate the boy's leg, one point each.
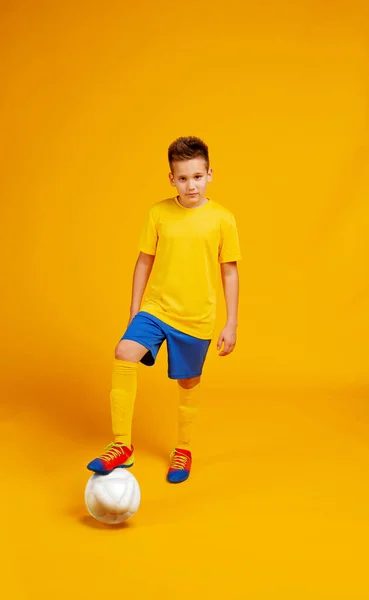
{"type": "Point", "coordinates": [124, 388]}
{"type": "Point", "coordinates": [140, 343]}
{"type": "Point", "coordinates": [189, 403]}
{"type": "Point", "coordinates": [122, 398]}
{"type": "Point", "coordinates": [186, 358]}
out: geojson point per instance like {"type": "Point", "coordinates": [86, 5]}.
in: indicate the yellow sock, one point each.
{"type": "Point", "coordinates": [122, 399]}
{"type": "Point", "coordinates": [189, 401]}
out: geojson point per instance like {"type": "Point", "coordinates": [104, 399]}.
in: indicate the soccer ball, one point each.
{"type": "Point", "coordinates": [114, 497]}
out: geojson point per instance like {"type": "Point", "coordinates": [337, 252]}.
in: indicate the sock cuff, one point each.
{"type": "Point", "coordinates": [190, 397]}
{"type": "Point", "coordinates": [125, 365]}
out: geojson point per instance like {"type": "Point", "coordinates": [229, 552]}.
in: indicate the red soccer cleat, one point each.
{"type": "Point", "coordinates": [180, 465]}
{"type": "Point", "coordinates": [116, 454]}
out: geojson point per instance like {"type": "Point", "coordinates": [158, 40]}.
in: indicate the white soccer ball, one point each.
{"type": "Point", "coordinates": [114, 497]}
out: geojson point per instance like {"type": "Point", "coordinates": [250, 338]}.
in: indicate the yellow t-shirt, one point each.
{"type": "Point", "coordinates": [188, 244]}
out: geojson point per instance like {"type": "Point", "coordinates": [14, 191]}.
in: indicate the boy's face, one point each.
{"type": "Point", "coordinates": [190, 177]}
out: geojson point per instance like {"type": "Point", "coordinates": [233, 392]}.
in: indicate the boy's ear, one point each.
{"type": "Point", "coordinates": [171, 178]}
{"type": "Point", "coordinates": [210, 174]}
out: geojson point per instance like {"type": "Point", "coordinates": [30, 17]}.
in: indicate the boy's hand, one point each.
{"type": "Point", "coordinates": [228, 337]}
{"type": "Point", "coordinates": [131, 317]}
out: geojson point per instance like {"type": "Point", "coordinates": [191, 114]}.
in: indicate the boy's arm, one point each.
{"type": "Point", "coordinates": [141, 276]}
{"type": "Point", "coordinates": [228, 335]}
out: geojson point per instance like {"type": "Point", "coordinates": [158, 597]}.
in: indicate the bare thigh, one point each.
{"type": "Point", "coordinates": [130, 350]}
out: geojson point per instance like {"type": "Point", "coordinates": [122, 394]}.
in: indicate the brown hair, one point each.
{"type": "Point", "coordinates": [185, 148]}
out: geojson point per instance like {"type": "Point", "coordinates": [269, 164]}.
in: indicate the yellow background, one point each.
{"type": "Point", "coordinates": [92, 95]}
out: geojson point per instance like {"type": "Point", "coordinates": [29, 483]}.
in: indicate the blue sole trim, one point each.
{"type": "Point", "coordinates": [106, 472]}
{"type": "Point", "coordinates": [181, 480]}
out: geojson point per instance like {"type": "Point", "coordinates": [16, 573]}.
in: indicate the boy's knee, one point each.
{"type": "Point", "coordinates": [187, 384]}
{"type": "Point", "coordinates": [129, 351]}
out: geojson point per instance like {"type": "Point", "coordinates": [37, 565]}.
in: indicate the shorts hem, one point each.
{"type": "Point", "coordinates": [187, 376]}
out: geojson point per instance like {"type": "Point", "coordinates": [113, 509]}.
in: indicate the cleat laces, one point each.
{"type": "Point", "coordinates": [179, 461]}
{"type": "Point", "coordinates": [111, 451]}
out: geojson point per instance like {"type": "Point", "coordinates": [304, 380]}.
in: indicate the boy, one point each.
{"type": "Point", "coordinates": [182, 241]}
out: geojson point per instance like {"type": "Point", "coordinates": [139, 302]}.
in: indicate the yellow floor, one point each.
{"type": "Point", "coordinates": [279, 509]}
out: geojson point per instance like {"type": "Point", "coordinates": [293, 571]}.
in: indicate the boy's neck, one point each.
{"type": "Point", "coordinates": [201, 203]}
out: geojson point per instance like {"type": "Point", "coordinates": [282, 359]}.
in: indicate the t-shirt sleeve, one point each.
{"type": "Point", "coordinates": [229, 247]}
{"type": "Point", "coordinates": [149, 234]}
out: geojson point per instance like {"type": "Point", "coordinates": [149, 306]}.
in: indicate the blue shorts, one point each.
{"type": "Point", "coordinates": [186, 354]}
